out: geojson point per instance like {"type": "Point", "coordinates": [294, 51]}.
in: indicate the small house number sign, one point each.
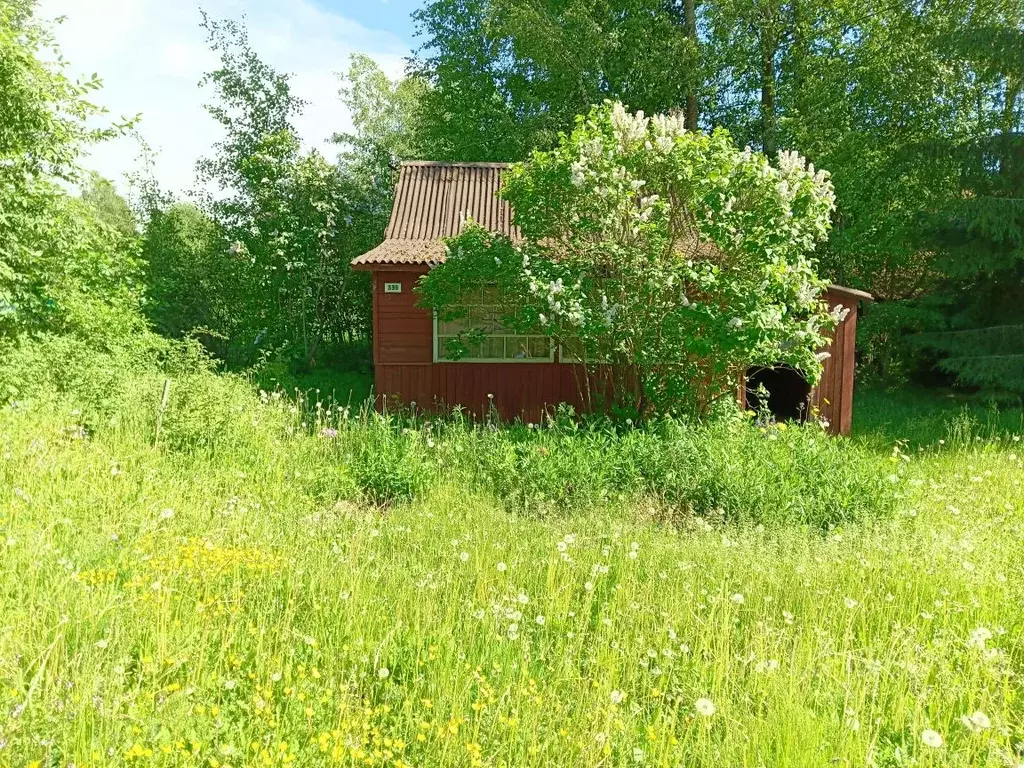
{"type": "Point", "coordinates": [392, 287]}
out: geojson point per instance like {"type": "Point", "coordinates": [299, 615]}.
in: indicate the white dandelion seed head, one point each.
{"type": "Point", "coordinates": [980, 636]}
{"type": "Point", "coordinates": [704, 707]}
{"type": "Point", "coordinates": [931, 738]}
{"type": "Point", "coordinates": [976, 722]}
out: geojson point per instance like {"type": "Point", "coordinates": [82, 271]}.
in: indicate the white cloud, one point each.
{"type": "Point", "coordinates": [152, 53]}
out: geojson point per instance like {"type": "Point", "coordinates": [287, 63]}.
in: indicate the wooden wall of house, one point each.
{"type": "Point", "coordinates": [404, 371]}
{"type": "Point", "coordinates": [833, 396]}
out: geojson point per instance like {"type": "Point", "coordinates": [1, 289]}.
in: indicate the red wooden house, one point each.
{"type": "Point", "coordinates": [519, 375]}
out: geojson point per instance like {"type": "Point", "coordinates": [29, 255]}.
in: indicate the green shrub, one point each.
{"type": "Point", "coordinates": [730, 470]}
{"type": "Point", "coordinates": [388, 463]}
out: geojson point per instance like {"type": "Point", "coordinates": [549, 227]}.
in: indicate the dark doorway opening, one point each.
{"type": "Point", "coordinates": [788, 392]}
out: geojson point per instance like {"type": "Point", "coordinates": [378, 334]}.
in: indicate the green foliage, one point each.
{"type": "Point", "coordinates": [667, 258]}
{"type": "Point", "coordinates": [732, 470]}
{"type": "Point", "coordinates": [112, 209]}
{"type": "Point", "coordinates": [915, 109]}
{"type": "Point", "coordinates": [726, 471]}
{"type": "Point", "coordinates": [506, 77]}
{"type": "Point", "coordinates": [386, 119]}
{"type": "Point", "coordinates": [286, 214]}
{"type": "Point", "coordinates": [62, 268]}
{"type": "Point", "coordinates": [192, 281]}
{"type": "Point", "coordinates": [388, 467]}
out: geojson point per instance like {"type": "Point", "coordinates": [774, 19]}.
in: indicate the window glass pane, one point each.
{"type": "Point", "coordinates": [482, 314]}
{"type": "Point", "coordinates": [516, 348]}
{"type": "Point", "coordinates": [540, 346]}
{"type": "Point", "coordinates": [492, 348]}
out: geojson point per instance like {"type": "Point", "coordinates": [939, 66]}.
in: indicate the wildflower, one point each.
{"type": "Point", "coordinates": [464, 557]}
{"type": "Point", "coordinates": [617, 697]}
{"type": "Point", "coordinates": [383, 673]}
{"type": "Point", "coordinates": [979, 637]}
{"type": "Point", "coordinates": [850, 603]}
{"type": "Point", "coordinates": [738, 599]}
{"type": "Point", "coordinates": [977, 722]}
{"type": "Point", "coordinates": [329, 433]}
{"type": "Point", "coordinates": [931, 738]}
{"type": "Point", "coordinates": [523, 598]}
{"type": "Point", "coordinates": [101, 643]}
{"type": "Point", "coordinates": [502, 567]}
{"type": "Point", "coordinates": [540, 620]}
{"type": "Point", "coordinates": [167, 514]}
{"type": "Point", "coordinates": [704, 707]}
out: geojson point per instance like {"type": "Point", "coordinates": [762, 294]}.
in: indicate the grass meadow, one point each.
{"type": "Point", "coordinates": [265, 582]}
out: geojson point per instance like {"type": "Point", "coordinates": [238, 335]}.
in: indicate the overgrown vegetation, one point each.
{"type": "Point", "coordinates": [234, 575]}
{"type": "Point", "coordinates": [272, 582]}
{"type": "Point", "coordinates": [671, 263]}
{"type": "Point", "coordinates": [915, 109]}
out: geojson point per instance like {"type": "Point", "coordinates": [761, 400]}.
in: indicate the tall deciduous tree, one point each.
{"type": "Point", "coordinates": [282, 209]}
{"type": "Point", "coordinates": [61, 267]}
{"type": "Point", "coordinates": [508, 76]}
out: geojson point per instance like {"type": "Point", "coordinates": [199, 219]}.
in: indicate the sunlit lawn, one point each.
{"type": "Point", "coordinates": [162, 609]}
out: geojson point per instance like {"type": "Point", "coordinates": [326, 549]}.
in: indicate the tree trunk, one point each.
{"type": "Point", "coordinates": [691, 91]}
{"type": "Point", "coordinates": [768, 137]}
{"type": "Point", "coordinates": [1013, 85]}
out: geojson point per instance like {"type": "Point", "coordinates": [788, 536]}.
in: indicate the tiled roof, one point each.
{"type": "Point", "coordinates": [434, 201]}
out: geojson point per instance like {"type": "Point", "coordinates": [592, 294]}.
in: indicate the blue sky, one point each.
{"type": "Point", "coordinates": [151, 55]}
{"type": "Point", "coordinates": [392, 15]}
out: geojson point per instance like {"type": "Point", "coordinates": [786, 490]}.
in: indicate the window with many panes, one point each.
{"type": "Point", "coordinates": [498, 344]}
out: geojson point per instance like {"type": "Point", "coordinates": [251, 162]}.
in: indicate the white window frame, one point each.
{"type": "Point", "coordinates": [568, 359]}
{"type": "Point", "coordinates": [549, 359]}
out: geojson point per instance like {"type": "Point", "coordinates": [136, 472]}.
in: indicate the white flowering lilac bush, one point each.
{"type": "Point", "coordinates": [669, 259]}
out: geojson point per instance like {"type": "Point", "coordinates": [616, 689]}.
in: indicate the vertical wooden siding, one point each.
{"type": "Point", "coordinates": [833, 396]}
{"type": "Point", "coordinates": [405, 373]}
{"type": "Point", "coordinates": [402, 331]}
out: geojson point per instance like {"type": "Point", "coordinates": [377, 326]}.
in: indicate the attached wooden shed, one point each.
{"type": "Point", "coordinates": [521, 376]}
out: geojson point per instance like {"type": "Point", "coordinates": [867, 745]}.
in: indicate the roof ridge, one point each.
{"type": "Point", "coordinates": [447, 164]}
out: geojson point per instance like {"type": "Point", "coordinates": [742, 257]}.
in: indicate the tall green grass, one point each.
{"type": "Point", "coordinates": [275, 583]}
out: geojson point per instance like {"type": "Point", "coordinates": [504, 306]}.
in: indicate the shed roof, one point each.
{"type": "Point", "coordinates": [433, 201]}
